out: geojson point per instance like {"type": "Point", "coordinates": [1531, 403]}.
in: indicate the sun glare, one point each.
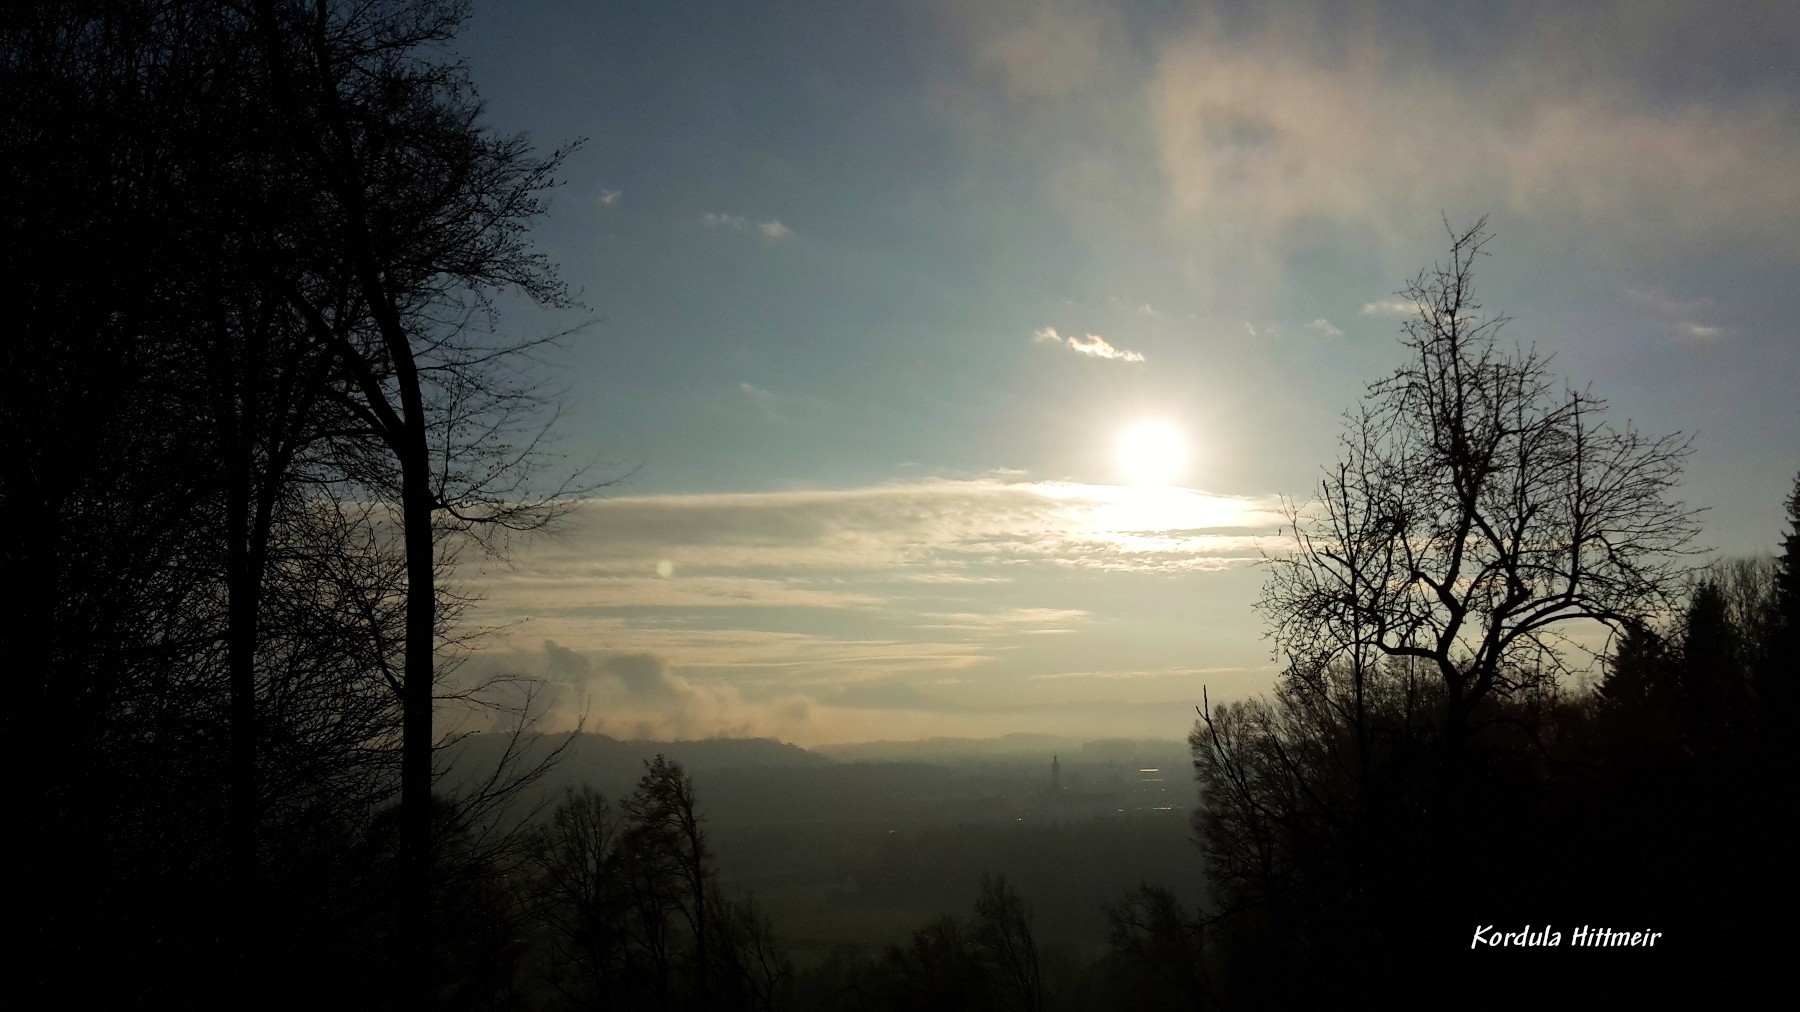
{"type": "Point", "coordinates": [1151, 453]}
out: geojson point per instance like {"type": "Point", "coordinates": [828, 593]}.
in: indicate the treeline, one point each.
{"type": "Point", "coordinates": [249, 411]}
{"type": "Point", "coordinates": [1155, 958]}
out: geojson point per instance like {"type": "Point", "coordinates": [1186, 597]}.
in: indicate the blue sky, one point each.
{"type": "Point", "coordinates": [873, 289]}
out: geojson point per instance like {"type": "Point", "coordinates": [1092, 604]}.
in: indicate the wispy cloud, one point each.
{"type": "Point", "coordinates": [1389, 307]}
{"type": "Point", "coordinates": [1030, 621]}
{"type": "Point", "coordinates": [1323, 327]}
{"type": "Point", "coordinates": [751, 612]}
{"type": "Point", "coordinates": [574, 593]}
{"type": "Point", "coordinates": [1682, 315]}
{"type": "Point", "coordinates": [929, 526]}
{"type": "Point", "coordinates": [1664, 304]}
{"type": "Point", "coordinates": [1093, 345]}
{"type": "Point", "coordinates": [1133, 674]}
{"type": "Point", "coordinates": [773, 229]}
{"type": "Point", "coordinates": [760, 399]}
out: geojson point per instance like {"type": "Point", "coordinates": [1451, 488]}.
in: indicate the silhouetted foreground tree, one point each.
{"type": "Point", "coordinates": [1779, 666]}
{"type": "Point", "coordinates": [247, 241]}
{"type": "Point", "coordinates": [1477, 515]}
{"type": "Point", "coordinates": [418, 217]}
{"type": "Point", "coordinates": [630, 909]}
{"type": "Point", "coordinates": [1424, 765]}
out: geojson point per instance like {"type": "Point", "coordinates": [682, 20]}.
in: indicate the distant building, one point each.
{"type": "Point", "coordinates": [1055, 775]}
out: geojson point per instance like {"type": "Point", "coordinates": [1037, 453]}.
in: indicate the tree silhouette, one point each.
{"type": "Point", "coordinates": [1780, 663]}
{"type": "Point", "coordinates": [419, 216]}
{"type": "Point", "coordinates": [1158, 950]}
{"type": "Point", "coordinates": [666, 831]}
{"type": "Point", "coordinates": [632, 908]}
{"type": "Point", "coordinates": [222, 220]}
{"type": "Point", "coordinates": [1482, 521]}
{"type": "Point", "coordinates": [1003, 931]}
{"type": "Point", "coordinates": [1477, 514]}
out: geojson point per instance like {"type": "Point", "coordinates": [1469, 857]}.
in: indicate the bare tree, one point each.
{"type": "Point", "coordinates": [418, 216]}
{"type": "Point", "coordinates": [1003, 931]}
{"type": "Point", "coordinates": [667, 823]}
{"type": "Point", "coordinates": [1478, 514]}
{"type": "Point", "coordinates": [1483, 528]}
{"type": "Point", "coordinates": [579, 896]}
{"type": "Point", "coordinates": [1161, 947]}
{"type": "Point", "coordinates": [753, 966]}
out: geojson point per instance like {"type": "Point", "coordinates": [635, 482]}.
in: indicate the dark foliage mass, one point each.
{"type": "Point", "coordinates": [247, 412]}
{"type": "Point", "coordinates": [1427, 766]}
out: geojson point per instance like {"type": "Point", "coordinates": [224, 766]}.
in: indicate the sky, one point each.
{"type": "Point", "coordinates": [872, 292]}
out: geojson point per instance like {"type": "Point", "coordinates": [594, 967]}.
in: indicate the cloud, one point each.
{"type": "Point", "coordinates": [739, 223]}
{"type": "Point", "coordinates": [1134, 674]}
{"type": "Point", "coordinates": [772, 602]}
{"type": "Point", "coordinates": [789, 545]}
{"type": "Point", "coordinates": [1324, 327]}
{"type": "Point", "coordinates": [760, 399]}
{"type": "Point", "coordinates": [638, 695]}
{"type": "Point", "coordinates": [1682, 315]}
{"type": "Point", "coordinates": [1093, 345]}
{"type": "Point", "coordinates": [1390, 307]}
{"type": "Point", "coordinates": [1265, 125]}
{"type": "Point", "coordinates": [544, 593]}
{"type": "Point", "coordinates": [1096, 346]}
{"type": "Point", "coordinates": [877, 559]}
{"type": "Point", "coordinates": [1030, 621]}
{"type": "Point", "coordinates": [1664, 304]}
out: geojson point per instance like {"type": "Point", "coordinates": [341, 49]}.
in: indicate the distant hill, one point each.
{"type": "Point", "coordinates": [935, 780]}
{"type": "Point", "coordinates": [1010, 747]}
{"type": "Point", "coordinates": [612, 765]}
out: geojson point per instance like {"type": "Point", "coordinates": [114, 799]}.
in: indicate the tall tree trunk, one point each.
{"type": "Point", "coordinates": [416, 734]}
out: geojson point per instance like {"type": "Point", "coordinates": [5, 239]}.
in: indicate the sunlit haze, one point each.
{"type": "Point", "coordinates": [1152, 453]}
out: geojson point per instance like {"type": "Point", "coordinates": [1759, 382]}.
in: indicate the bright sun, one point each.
{"type": "Point", "coordinates": [1151, 453]}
